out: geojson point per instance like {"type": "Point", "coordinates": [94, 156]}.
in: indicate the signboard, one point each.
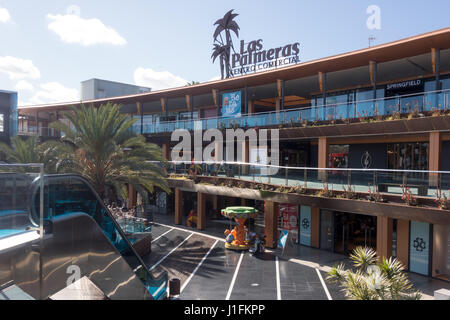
{"type": "Point", "coordinates": [289, 217]}
{"type": "Point", "coordinates": [231, 104]}
{"type": "Point", "coordinates": [252, 57]}
{"type": "Point", "coordinates": [283, 239]}
{"type": "Point", "coordinates": [405, 86]}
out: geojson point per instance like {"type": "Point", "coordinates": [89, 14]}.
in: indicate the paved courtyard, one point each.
{"type": "Point", "coordinates": [208, 271]}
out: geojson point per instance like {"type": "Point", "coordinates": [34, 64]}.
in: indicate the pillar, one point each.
{"type": "Point", "coordinates": [201, 211]}
{"type": "Point", "coordinates": [250, 107]}
{"type": "Point", "coordinates": [178, 206]}
{"type": "Point", "coordinates": [434, 156]}
{"type": "Point", "coordinates": [132, 196]}
{"type": "Point", "coordinates": [385, 228]}
{"type": "Point", "coordinates": [243, 202]}
{"type": "Point", "coordinates": [315, 227]}
{"type": "Point", "coordinates": [441, 250]}
{"type": "Point", "coordinates": [215, 206]}
{"type": "Point", "coordinates": [403, 241]}
{"type": "Point", "coordinates": [323, 150]}
{"type": "Point", "coordinates": [166, 151]}
{"type": "Point", "coordinates": [271, 223]}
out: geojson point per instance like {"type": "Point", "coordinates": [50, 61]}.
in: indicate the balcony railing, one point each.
{"type": "Point", "coordinates": [383, 107]}
{"type": "Point", "coordinates": [428, 184]}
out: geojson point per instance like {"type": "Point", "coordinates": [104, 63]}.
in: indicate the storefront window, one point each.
{"type": "Point", "coordinates": [338, 156]}
{"type": "Point", "coordinates": [408, 156]}
{"type": "Point", "coordinates": [365, 106]}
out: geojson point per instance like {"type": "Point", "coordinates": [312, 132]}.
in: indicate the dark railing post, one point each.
{"type": "Point", "coordinates": [305, 177]}
{"type": "Point", "coordinates": [286, 173]}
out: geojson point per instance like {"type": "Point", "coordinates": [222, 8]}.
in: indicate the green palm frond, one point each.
{"type": "Point", "coordinates": [100, 145]}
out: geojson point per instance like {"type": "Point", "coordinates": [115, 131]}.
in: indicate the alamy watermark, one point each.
{"type": "Point", "coordinates": [257, 151]}
{"type": "Point", "coordinates": [374, 20]}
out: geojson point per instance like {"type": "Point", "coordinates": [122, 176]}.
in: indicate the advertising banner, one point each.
{"type": "Point", "coordinates": [231, 104]}
{"type": "Point", "coordinates": [289, 217]}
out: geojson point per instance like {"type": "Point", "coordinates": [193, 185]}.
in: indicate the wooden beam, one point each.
{"type": "Point", "coordinates": [271, 223]}
{"type": "Point", "coordinates": [188, 102]}
{"type": "Point", "coordinates": [315, 227]}
{"type": "Point", "coordinates": [279, 87]}
{"type": "Point", "coordinates": [321, 81]}
{"type": "Point", "coordinates": [215, 96]}
{"type": "Point", "coordinates": [433, 59]}
{"type": "Point", "coordinates": [403, 241]}
{"type": "Point", "coordinates": [163, 104]}
{"type": "Point", "coordinates": [384, 236]}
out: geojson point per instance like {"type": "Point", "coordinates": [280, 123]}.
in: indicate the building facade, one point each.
{"type": "Point", "coordinates": [364, 141]}
{"type": "Point", "coordinates": [97, 89]}
{"type": "Point", "coordinates": [8, 115]}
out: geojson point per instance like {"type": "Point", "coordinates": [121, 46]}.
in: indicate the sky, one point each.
{"type": "Point", "coordinates": [49, 46]}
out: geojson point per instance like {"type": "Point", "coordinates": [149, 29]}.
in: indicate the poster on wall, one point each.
{"type": "Point", "coordinates": [288, 219]}
{"type": "Point", "coordinates": [231, 104]}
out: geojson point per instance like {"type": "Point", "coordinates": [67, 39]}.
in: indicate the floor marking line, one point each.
{"type": "Point", "coordinates": [186, 230]}
{"type": "Point", "coordinates": [277, 268]}
{"type": "Point", "coordinates": [234, 277]}
{"type": "Point", "coordinates": [324, 285]}
{"type": "Point", "coordinates": [163, 258]}
{"type": "Point", "coordinates": [198, 267]}
{"type": "Point", "coordinates": [163, 234]}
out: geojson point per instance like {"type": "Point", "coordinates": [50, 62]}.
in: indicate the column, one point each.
{"type": "Point", "coordinates": [166, 151]}
{"type": "Point", "coordinates": [201, 211]}
{"type": "Point", "coordinates": [384, 236]}
{"type": "Point", "coordinates": [243, 202]}
{"type": "Point", "coordinates": [132, 197]}
{"type": "Point", "coordinates": [403, 241]}
{"type": "Point", "coordinates": [215, 206]}
{"type": "Point", "coordinates": [323, 150]}
{"type": "Point", "coordinates": [245, 157]}
{"type": "Point", "coordinates": [250, 107]}
{"type": "Point", "coordinates": [315, 227]}
{"type": "Point", "coordinates": [434, 157]}
{"type": "Point", "coordinates": [441, 250]}
{"type": "Point", "coordinates": [178, 206]}
{"type": "Point", "coordinates": [271, 223]}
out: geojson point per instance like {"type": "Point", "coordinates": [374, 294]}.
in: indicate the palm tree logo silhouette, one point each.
{"type": "Point", "coordinates": [222, 48]}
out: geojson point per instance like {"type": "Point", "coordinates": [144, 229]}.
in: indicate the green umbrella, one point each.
{"type": "Point", "coordinates": [239, 212]}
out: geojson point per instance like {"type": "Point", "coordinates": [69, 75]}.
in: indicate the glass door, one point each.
{"type": "Point", "coordinates": [419, 247]}
{"type": "Point", "coordinates": [326, 230]}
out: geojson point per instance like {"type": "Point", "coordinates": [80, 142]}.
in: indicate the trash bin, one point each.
{"type": "Point", "coordinates": [174, 288]}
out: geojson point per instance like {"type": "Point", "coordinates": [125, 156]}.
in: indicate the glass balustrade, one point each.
{"type": "Point", "coordinates": [389, 106]}
{"type": "Point", "coordinates": [394, 182]}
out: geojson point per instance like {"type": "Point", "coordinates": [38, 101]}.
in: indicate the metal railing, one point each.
{"type": "Point", "coordinates": [15, 182]}
{"type": "Point", "coordinates": [362, 109]}
{"type": "Point", "coordinates": [424, 183]}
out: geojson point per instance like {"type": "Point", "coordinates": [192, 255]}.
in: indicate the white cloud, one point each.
{"type": "Point", "coordinates": [52, 92]}
{"type": "Point", "coordinates": [17, 68]}
{"type": "Point", "coordinates": [71, 28]}
{"type": "Point", "coordinates": [5, 17]}
{"type": "Point", "coordinates": [24, 85]}
{"type": "Point", "coordinates": [157, 79]}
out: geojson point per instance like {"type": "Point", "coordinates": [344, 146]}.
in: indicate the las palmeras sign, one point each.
{"type": "Point", "coordinates": [249, 57]}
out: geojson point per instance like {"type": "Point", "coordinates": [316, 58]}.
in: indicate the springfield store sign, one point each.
{"type": "Point", "coordinates": [252, 57]}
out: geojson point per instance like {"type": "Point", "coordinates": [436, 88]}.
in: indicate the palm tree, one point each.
{"type": "Point", "coordinates": [374, 279]}
{"type": "Point", "coordinates": [29, 150]}
{"type": "Point", "coordinates": [221, 52]}
{"type": "Point", "coordinates": [227, 24]}
{"type": "Point", "coordinates": [101, 147]}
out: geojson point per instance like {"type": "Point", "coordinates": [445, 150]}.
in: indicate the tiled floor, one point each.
{"type": "Point", "coordinates": [208, 271]}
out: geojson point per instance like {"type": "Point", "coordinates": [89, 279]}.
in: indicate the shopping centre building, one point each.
{"type": "Point", "coordinates": [364, 140]}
